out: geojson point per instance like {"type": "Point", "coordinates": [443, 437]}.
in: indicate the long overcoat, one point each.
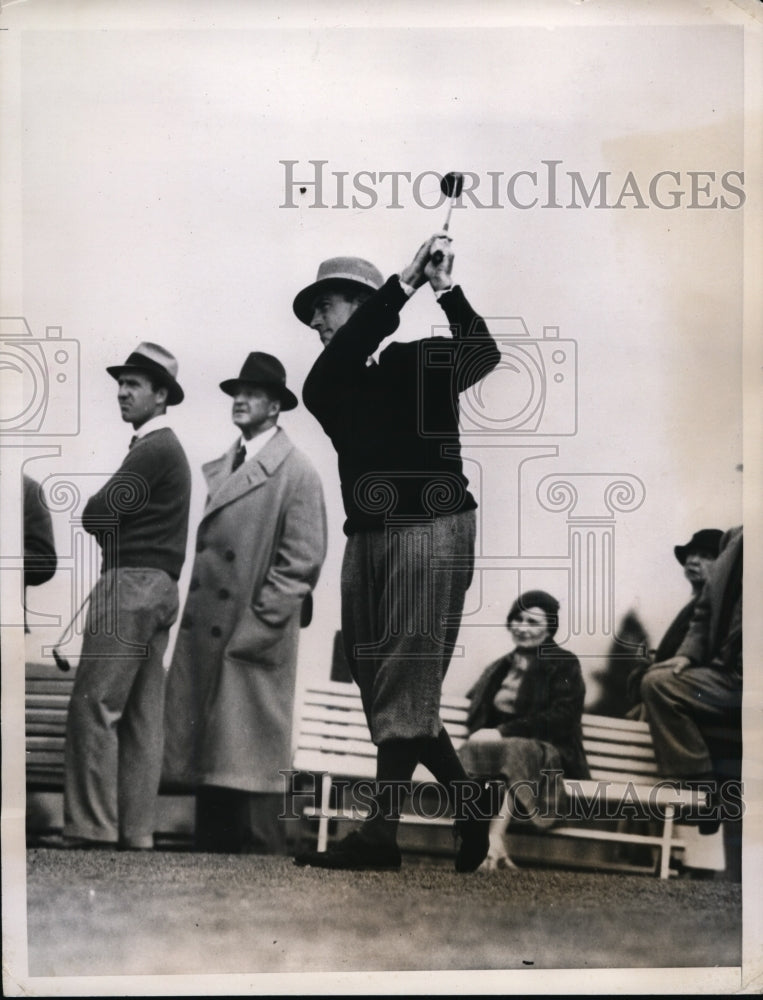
{"type": "Point", "coordinates": [230, 688]}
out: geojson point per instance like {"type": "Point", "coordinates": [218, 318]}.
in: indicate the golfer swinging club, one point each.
{"type": "Point", "coordinates": [394, 425]}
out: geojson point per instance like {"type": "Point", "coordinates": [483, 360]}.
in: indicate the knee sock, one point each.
{"type": "Point", "coordinates": [440, 757]}
{"type": "Point", "coordinates": [396, 761]}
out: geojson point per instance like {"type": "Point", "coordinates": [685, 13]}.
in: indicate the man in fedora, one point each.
{"type": "Point", "coordinates": [410, 521]}
{"type": "Point", "coordinates": [696, 557]}
{"type": "Point", "coordinates": [693, 699]}
{"type": "Point", "coordinates": [230, 689]}
{"type": "Point", "coordinates": [140, 519]}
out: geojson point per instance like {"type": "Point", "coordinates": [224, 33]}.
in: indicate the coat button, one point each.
{"type": "Point", "coordinates": [194, 584]}
{"type": "Point", "coordinates": [223, 594]}
{"type": "Point", "coordinates": [230, 555]}
{"type": "Point", "coordinates": [200, 546]}
{"type": "Point", "coordinates": [216, 631]}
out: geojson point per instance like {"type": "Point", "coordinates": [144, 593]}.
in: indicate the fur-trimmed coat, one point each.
{"type": "Point", "coordinates": [549, 704]}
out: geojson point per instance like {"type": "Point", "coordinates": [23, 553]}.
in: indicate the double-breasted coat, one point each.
{"type": "Point", "coordinates": [230, 687]}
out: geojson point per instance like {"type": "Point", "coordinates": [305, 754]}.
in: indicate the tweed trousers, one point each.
{"type": "Point", "coordinates": [114, 729]}
{"type": "Point", "coordinates": [403, 591]}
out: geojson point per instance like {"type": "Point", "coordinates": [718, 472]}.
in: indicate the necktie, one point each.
{"type": "Point", "coordinates": [133, 439]}
{"type": "Point", "coordinates": [239, 458]}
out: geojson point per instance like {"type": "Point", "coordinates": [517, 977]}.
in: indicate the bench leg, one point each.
{"type": "Point", "coordinates": [667, 836]}
{"type": "Point", "coordinates": [323, 825]}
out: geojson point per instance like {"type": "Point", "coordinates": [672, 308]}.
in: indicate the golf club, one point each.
{"type": "Point", "coordinates": [61, 662]}
{"type": "Point", "coordinates": [451, 185]}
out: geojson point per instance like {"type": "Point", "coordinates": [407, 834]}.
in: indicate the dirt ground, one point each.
{"type": "Point", "coordinates": [107, 913]}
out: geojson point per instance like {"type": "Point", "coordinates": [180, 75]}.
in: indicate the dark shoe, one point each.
{"type": "Point", "coordinates": [353, 853]}
{"type": "Point", "coordinates": [472, 837]}
{"type": "Point", "coordinates": [472, 831]}
{"type": "Point", "coordinates": [75, 844]}
{"type": "Point", "coordinates": [707, 816]}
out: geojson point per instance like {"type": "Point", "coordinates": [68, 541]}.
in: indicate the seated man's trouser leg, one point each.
{"type": "Point", "coordinates": [114, 730]}
{"type": "Point", "coordinates": [403, 592]}
{"type": "Point", "coordinates": [678, 706]}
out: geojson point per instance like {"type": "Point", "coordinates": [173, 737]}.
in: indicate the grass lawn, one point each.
{"type": "Point", "coordinates": [169, 912]}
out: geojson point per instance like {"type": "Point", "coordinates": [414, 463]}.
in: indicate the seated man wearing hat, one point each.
{"type": "Point", "coordinates": [394, 425]}
{"type": "Point", "coordinates": [230, 688]}
{"type": "Point", "coordinates": [140, 519]}
{"type": "Point", "coordinates": [693, 699]}
{"type": "Point", "coordinates": [696, 557]}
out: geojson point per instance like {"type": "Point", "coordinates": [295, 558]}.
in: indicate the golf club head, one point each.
{"type": "Point", "coordinates": [61, 662]}
{"type": "Point", "coordinates": [452, 185]}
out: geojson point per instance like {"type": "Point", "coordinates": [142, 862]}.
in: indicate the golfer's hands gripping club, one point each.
{"type": "Point", "coordinates": [429, 257]}
{"type": "Point", "coordinates": [440, 264]}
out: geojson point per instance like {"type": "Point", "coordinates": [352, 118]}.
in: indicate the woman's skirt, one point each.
{"type": "Point", "coordinates": [530, 769]}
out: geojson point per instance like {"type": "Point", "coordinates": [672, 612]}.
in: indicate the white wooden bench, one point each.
{"type": "Point", "coordinates": [333, 741]}
{"type": "Point", "coordinates": [48, 691]}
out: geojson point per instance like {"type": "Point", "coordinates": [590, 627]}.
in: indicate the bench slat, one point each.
{"type": "Point", "coordinates": [612, 735]}
{"type": "Point", "coordinates": [33, 730]}
{"type": "Point", "coordinates": [57, 697]}
{"type": "Point", "coordinates": [610, 722]}
{"type": "Point", "coordinates": [348, 748]}
{"type": "Point", "coordinates": [616, 763]}
{"type": "Point", "coordinates": [636, 753]}
{"type": "Point", "coordinates": [55, 757]}
{"type": "Point", "coordinates": [315, 727]}
{"type": "Point", "coordinates": [351, 717]}
{"type": "Point", "coordinates": [34, 743]}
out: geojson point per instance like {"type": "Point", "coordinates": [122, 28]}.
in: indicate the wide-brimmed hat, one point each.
{"type": "Point", "coordinates": [348, 270]}
{"type": "Point", "coordinates": [707, 540]}
{"type": "Point", "coordinates": [156, 361]}
{"type": "Point", "coordinates": [265, 370]}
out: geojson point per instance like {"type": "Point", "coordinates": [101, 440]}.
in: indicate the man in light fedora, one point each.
{"type": "Point", "coordinates": [140, 519]}
{"type": "Point", "coordinates": [394, 425]}
{"type": "Point", "coordinates": [230, 688]}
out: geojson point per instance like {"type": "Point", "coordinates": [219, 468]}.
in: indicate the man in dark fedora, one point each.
{"type": "Point", "coordinates": [140, 519]}
{"type": "Point", "coordinates": [410, 521]}
{"type": "Point", "coordinates": [230, 689]}
{"type": "Point", "coordinates": [696, 557]}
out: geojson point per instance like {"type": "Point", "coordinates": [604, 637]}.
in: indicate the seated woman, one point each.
{"type": "Point", "coordinates": [525, 721]}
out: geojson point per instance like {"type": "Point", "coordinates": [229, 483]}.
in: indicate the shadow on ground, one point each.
{"type": "Point", "coordinates": [109, 913]}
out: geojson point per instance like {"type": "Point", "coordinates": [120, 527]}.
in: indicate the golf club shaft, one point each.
{"type": "Point", "coordinates": [61, 662]}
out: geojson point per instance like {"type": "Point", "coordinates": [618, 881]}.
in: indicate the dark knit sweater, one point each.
{"type": "Point", "coordinates": [394, 424]}
{"type": "Point", "coordinates": [140, 517]}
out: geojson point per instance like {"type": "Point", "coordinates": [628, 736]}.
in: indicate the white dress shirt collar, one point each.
{"type": "Point", "coordinates": [258, 442]}
{"type": "Point", "coordinates": [154, 424]}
